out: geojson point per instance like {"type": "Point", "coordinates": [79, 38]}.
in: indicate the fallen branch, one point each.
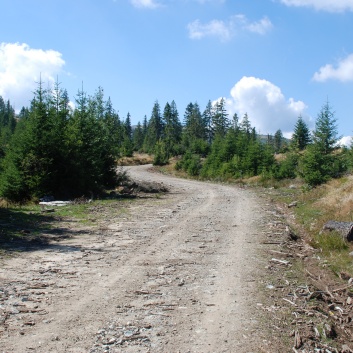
{"type": "Point", "coordinates": [281, 262]}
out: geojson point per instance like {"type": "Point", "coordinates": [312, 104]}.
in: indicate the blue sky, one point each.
{"type": "Point", "coordinates": [272, 59]}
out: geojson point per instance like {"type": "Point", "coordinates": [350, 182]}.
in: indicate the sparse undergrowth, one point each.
{"type": "Point", "coordinates": [321, 304]}
{"type": "Point", "coordinates": [32, 225]}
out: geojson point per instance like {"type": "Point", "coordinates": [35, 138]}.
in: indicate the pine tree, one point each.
{"type": "Point", "coordinates": [325, 135]}
{"type": "Point", "coordinates": [128, 127]}
{"type": "Point", "coordinates": [138, 137]}
{"type": "Point", "coordinates": [29, 165]}
{"type": "Point", "coordinates": [7, 125]}
{"type": "Point", "coordinates": [220, 119]}
{"type": "Point", "coordinates": [127, 145]}
{"type": "Point", "coordinates": [194, 128]}
{"type": "Point", "coordinates": [207, 117]}
{"type": "Point", "coordinates": [318, 163]}
{"type": "Point", "coordinates": [245, 125]}
{"type": "Point", "coordinates": [172, 130]}
{"type": "Point", "coordinates": [88, 145]}
{"type": "Point", "coordinates": [301, 136]}
{"type": "Point", "coordinates": [155, 129]}
{"type": "Point", "coordinates": [59, 113]}
{"type": "Point", "coordinates": [278, 141]}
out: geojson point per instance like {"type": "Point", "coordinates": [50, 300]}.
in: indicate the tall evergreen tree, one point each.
{"type": "Point", "coordinates": [155, 129]}
{"type": "Point", "coordinates": [208, 116]}
{"type": "Point", "coordinates": [172, 130]}
{"type": "Point", "coordinates": [325, 135]}
{"type": "Point", "coordinates": [7, 124]}
{"type": "Point", "coordinates": [301, 136]}
{"type": "Point", "coordinates": [29, 167]}
{"type": "Point", "coordinates": [278, 141]}
{"type": "Point", "coordinates": [194, 128]}
{"type": "Point", "coordinates": [245, 125]}
{"type": "Point", "coordinates": [127, 144]}
{"type": "Point", "coordinates": [144, 126]}
{"type": "Point", "coordinates": [318, 164]}
{"type": "Point", "coordinates": [220, 118]}
{"type": "Point", "coordinates": [128, 127]}
{"type": "Point", "coordinates": [138, 137]}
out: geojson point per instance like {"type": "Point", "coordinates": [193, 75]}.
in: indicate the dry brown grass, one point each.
{"type": "Point", "coordinates": [136, 159]}
{"type": "Point", "coordinates": [337, 199]}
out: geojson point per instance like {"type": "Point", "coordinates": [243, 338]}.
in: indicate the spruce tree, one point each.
{"type": "Point", "coordinates": [127, 145]}
{"type": "Point", "coordinates": [278, 141]}
{"type": "Point", "coordinates": [325, 135]}
{"type": "Point", "coordinates": [220, 119]}
{"type": "Point", "coordinates": [172, 129]}
{"type": "Point", "coordinates": [138, 137]}
{"type": "Point", "coordinates": [30, 169]}
{"type": "Point", "coordinates": [155, 129]}
{"type": "Point", "coordinates": [301, 136]}
{"type": "Point", "coordinates": [207, 117]}
{"type": "Point", "coordinates": [194, 128]}
{"type": "Point", "coordinates": [7, 125]}
{"type": "Point", "coordinates": [319, 164]}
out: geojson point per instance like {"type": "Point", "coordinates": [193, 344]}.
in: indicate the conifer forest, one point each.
{"type": "Point", "coordinates": [51, 148]}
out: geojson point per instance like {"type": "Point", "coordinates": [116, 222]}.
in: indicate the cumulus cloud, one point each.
{"type": "Point", "coordinates": [325, 5]}
{"type": "Point", "coordinates": [149, 4]}
{"type": "Point", "coordinates": [21, 68]}
{"type": "Point", "coordinates": [225, 30]}
{"type": "Point", "coordinates": [342, 72]}
{"type": "Point", "coordinates": [346, 141]}
{"type": "Point", "coordinates": [267, 108]}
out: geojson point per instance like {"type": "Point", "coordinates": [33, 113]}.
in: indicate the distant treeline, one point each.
{"type": "Point", "coordinates": [52, 149]}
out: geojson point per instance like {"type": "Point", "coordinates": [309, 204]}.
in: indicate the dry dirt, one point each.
{"type": "Point", "coordinates": [183, 272]}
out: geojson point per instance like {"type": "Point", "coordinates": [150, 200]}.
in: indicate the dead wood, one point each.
{"type": "Point", "coordinates": [280, 262]}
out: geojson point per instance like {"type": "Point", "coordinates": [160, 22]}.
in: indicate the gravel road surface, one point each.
{"type": "Point", "coordinates": [175, 273]}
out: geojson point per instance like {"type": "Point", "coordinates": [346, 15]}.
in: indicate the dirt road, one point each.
{"type": "Point", "coordinates": [178, 273]}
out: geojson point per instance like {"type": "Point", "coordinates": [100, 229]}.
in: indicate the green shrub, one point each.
{"type": "Point", "coordinates": [190, 163]}
{"type": "Point", "coordinates": [286, 169]}
{"type": "Point", "coordinates": [160, 155]}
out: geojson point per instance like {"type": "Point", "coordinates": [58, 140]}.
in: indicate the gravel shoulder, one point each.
{"type": "Point", "coordinates": [176, 273]}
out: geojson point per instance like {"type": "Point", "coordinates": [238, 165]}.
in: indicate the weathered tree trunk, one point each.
{"type": "Point", "coordinates": [343, 228]}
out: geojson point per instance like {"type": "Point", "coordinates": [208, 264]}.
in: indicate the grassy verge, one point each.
{"type": "Point", "coordinates": [315, 207]}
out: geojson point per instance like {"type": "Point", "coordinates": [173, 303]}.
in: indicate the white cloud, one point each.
{"type": "Point", "coordinates": [150, 4]}
{"type": "Point", "coordinates": [346, 141]}
{"type": "Point", "coordinates": [225, 30]}
{"type": "Point", "coordinates": [21, 68]}
{"type": "Point", "coordinates": [325, 5]}
{"type": "Point", "coordinates": [342, 72]}
{"type": "Point", "coordinates": [215, 28]}
{"type": "Point", "coordinates": [260, 27]}
{"type": "Point", "coordinates": [266, 106]}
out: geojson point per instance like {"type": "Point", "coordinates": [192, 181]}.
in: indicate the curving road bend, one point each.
{"type": "Point", "coordinates": [177, 273]}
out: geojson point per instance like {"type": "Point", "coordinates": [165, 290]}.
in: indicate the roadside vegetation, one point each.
{"type": "Point", "coordinates": [51, 148]}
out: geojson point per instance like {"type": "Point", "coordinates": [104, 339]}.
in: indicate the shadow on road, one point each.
{"type": "Point", "coordinates": [28, 231]}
